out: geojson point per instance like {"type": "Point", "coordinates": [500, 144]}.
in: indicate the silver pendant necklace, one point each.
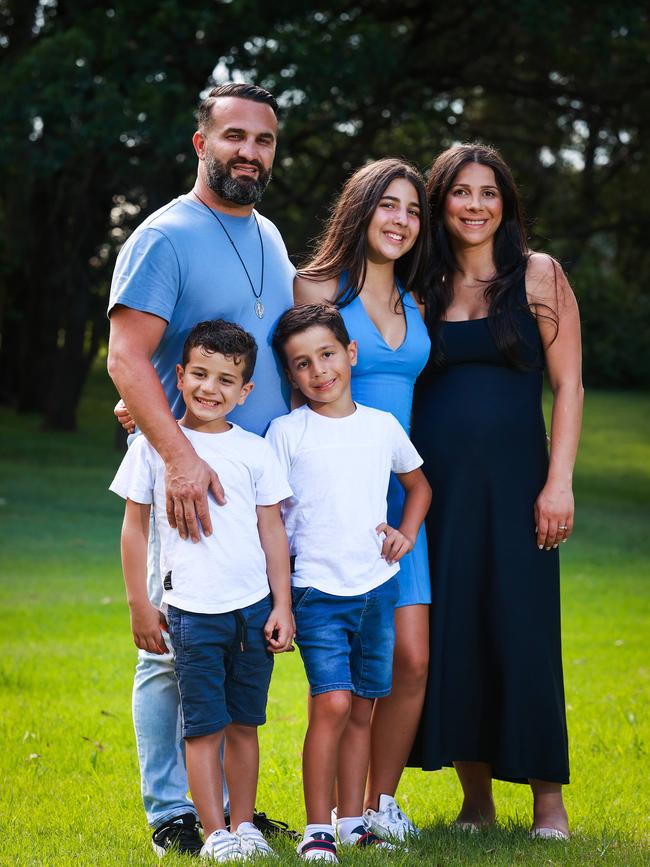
{"type": "Point", "coordinates": [259, 307]}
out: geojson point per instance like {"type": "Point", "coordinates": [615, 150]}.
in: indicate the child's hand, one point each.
{"type": "Point", "coordinates": [395, 545]}
{"type": "Point", "coordinates": [280, 630]}
{"type": "Point", "coordinates": [146, 624]}
{"type": "Point", "coordinates": [123, 415]}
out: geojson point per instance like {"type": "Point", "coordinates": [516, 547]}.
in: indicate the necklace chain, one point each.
{"type": "Point", "coordinates": [259, 307]}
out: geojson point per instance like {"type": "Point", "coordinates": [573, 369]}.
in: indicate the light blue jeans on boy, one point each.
{"type": "Point", "coordinates": [157, 719]}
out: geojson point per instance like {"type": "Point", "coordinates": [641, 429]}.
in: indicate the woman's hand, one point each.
{"type": "Point", "coordinates": [123, 415]}
{"type": "Point", "coordinates": [553, 516]}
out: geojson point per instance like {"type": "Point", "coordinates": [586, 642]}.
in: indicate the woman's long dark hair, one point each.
{"type": "Point", "coordinates": [510, 252]}
{"type": "Point", "coordinates": [343, 244]}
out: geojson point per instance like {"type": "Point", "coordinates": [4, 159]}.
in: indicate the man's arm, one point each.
{"type": "Point", "coordinates": [134, 337]}
{"type": "Point", "coordinates": [146, 619]}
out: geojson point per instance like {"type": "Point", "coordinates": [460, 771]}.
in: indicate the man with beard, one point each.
{"type": "Point", "coordinates": [204, 255]}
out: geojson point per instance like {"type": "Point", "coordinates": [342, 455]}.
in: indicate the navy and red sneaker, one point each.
{"type": "Point", "coordinates": [362, 838]}
{"type": "Point", "coordinates": [321, 846]}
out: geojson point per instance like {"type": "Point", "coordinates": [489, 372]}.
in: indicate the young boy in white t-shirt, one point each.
{"type": "Point", "coordinates": [227, 597]}
{"type": "Point", "coordinates": [338, 457]}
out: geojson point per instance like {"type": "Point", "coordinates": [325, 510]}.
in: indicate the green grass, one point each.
{"type": "Point", "coordinates": [68, 769]}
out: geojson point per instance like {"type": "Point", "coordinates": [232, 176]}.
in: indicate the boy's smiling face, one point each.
{"type": "Point", "coordinates": [320, 366]}
{"type": "Point", "coordinates": [212, 385]}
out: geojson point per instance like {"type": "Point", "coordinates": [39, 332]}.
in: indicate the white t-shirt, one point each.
{"type": "Point", "coordinates": [227, 570]}
{"type": "Point", "coordinates": [339, 469]}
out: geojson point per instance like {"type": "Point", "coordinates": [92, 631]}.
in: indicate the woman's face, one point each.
{"type": "Point", "coordinates": [395, 224]}
{"type": "Point", "coordinates": [474, 206]}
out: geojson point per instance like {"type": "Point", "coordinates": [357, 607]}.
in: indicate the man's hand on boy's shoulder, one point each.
{"type": "Point", "coordinates": [280, 629]}
{"type": "Point", "coordinates": [147, 623]}
{"type": "Point", "coordinates": [395, 545]}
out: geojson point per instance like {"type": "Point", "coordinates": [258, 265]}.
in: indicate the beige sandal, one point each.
{"type": "Point", "coordinates": [548, 834]}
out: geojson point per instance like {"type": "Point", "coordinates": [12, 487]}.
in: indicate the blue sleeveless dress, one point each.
{"type": "Point", "coordinates": [384, 379]}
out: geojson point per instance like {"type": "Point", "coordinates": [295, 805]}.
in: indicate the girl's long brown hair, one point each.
{"type": "Point", "coordinates": [343, 244]}
{"type": "Point", "coordinates": [511, 252]}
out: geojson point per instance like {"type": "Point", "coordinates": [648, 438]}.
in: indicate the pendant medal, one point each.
{"type": "Point", "coordinates": [259, 307]}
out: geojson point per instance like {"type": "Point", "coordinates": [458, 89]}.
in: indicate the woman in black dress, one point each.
{"type": "Point", "coordinates": [498, 314]}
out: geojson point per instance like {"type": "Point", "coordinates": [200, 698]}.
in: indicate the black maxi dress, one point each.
{"type": "Point", "coordinates": [495, 689]}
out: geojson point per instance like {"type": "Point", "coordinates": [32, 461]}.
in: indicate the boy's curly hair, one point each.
{"type": "Point", "coordinates": [226, 338]}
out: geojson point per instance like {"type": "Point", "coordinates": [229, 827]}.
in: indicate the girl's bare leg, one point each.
{"type": "Point", "coordinates": [395, 718]}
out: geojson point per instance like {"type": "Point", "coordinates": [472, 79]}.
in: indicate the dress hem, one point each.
{"type": "Point", "coordinates": [504, 775]}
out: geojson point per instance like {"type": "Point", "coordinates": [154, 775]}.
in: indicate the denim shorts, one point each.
{"type": "Point", "coordinates": [219, 681]}
{"type": "Point", "coordinates": [346, 642]}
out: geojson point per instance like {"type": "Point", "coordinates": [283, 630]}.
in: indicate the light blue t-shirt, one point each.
{"type": "Point", "coordinates": [179, 265]}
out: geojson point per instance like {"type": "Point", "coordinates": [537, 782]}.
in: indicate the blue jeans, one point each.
{"type": "Point", "coordinates": [157, 719]}
{"type": "Point", "coordinates": [223, 666]}
{"type": "Point", "coordinates": [346, 642]}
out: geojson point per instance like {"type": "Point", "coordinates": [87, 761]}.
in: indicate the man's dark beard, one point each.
{"type": "Point", "coordinates": [241, 191]}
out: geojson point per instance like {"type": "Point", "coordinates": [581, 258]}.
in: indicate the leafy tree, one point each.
{"type": "Point", "coordinates": [96, 111]}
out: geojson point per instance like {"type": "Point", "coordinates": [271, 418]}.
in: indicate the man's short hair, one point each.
{"type": "Point", "coordinates": [241, 91]}
{"type": "Point", "coordinates": [305, 316]}
{"type": "Point", "coordinates": [226, 338]}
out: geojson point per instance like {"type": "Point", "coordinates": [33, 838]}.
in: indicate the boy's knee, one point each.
{"type": "Point", "coordinates": [332, 705]}
{"type": "Point", "coordinates": [210, 739]}
{"type": "Point", "coordinates": [241, 731]}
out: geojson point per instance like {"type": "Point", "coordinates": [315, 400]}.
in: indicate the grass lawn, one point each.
{"type": "Point", "coordinates": [69, 787]}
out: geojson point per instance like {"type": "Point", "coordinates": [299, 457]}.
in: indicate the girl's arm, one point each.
{"type": "Point", "coordinates": [313, 291]}
{"type": "Point", "coordinates": [546, 285]}
{"type": "Point", "coordinates": [146, 619]}
{"type": "Point", "coordinates": [280, 627]}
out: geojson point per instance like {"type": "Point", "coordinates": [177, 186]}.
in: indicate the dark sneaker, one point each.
{"type": "Point", "coordinates": [180, 834]}
{"type": "Point", "coordinates": [274, 827]}
{"type": "Point", "coordinates": [271, 827]}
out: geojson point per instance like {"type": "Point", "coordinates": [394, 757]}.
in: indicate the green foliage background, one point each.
{"type": "Point", "coordinates": [96, 116]}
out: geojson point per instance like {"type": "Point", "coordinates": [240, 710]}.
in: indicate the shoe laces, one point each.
{"type": "Point", "coordinates": [395, 815]}
{"type": "Point", "coordinates": [274, 826]}
{"type": "Point", "coordinates": [251, 834]}
{"type": "Point", "coordinates": [180, 832]}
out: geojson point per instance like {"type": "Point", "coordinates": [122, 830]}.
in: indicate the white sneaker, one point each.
{"type": "Point", "coordinates": [252, 841]}
{"type": "Point", "coordinates": [222, 846]}
{"type": "Point", "coordinates": [389, 821]}
{"type": "Point", "coordinates": [319, 847]}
